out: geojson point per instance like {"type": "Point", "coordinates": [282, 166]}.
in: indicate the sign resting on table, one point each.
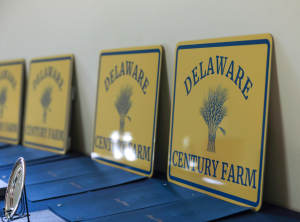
{"type": "Point", "coordinates": [219, 117]}
{"type": "Point", "coordinates": [126, 108]}
{"type": "Point", "coordinates": [48, 102]}
{"type": "Point", "coordinates": [11, 100]}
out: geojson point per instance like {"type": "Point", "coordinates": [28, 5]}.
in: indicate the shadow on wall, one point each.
{"type": "Point", "coordinates": [77, 142]}
{"type": "Point", "coordinates": [23, 97]}
{"type": "Point", "coordinates": [275, 185]}
{"type": "Point", "coordinates": [163, 120]}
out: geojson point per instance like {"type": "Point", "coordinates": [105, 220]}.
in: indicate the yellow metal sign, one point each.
{"type": "Point", "coordinates": [126, 108]}
{"type": "Point", "coordinates": [219, 117]}
{"type": "Point", "coordinates": [48, 102]}
{"type": "Point", "coordinates": [11, 98]}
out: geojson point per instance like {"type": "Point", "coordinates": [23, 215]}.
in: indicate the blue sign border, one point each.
{"type": "Point", "coordinates": [225, 44]}
{"type": "Point", "coordinates": [155, 109]}
{"type": "Point", "coordinates": [8, 64]}
{"type": "Point", "coordinates": [48, 60]}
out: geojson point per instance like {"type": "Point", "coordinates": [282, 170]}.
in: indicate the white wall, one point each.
{"type": "Point", "coordinates": [36, 28]}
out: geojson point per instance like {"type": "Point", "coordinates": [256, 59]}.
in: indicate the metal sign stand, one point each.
{"type": "Point", "coordinates": [23, 207]}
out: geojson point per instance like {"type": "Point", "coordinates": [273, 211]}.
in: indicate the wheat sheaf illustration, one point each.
{"type": "Point", "coordinates": [213, 112]}
{"type": "Point", "coordinates": [3, 99]}
{"type": "Point", "coordinates": [45, 101]}
{"type": "Point", "coordinates": [123, 105]}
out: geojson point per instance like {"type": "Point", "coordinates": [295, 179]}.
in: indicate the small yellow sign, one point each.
{"type": "Point", "coordinates": [219, 117]}
{"type": "Point", "coordinates": [48, 102]}
{"type": "Point", "coordinates": [11, 98]}
{"type": "Point", "coordinates": [126, 108]}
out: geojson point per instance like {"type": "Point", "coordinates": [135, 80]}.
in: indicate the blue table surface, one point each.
{"type": "Point", "coordinates": [268, 212]}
